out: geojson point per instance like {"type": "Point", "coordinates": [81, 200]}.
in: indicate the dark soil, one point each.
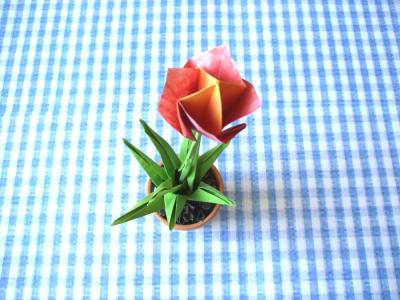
{"type": "Point", "coordinates": [194, 211]}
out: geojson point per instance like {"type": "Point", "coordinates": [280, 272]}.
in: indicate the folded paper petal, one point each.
{"type": "Point", "coordinates": [206, 95]}
{"type": "Point", "coordinates": [230, 93]}
{"type": "Point", "coordinates": [230, 133]}
{"type": "Point", "coordinates": [247, 103]}
{"type": "Point", "coordinates": [225, 136]}
{"type": "Point", "coordinates": [185, 123]}
{"type": "Point", "coordinates": [205, 80]}
{"type": "Point", "coordinates": [204, 109]}
{"type": "Point", "coordinates": [180, 83]}
{"type": "Point", "coordinates": [217, 62]}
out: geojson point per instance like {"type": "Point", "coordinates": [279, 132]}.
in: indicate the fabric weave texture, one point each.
{"type": "Point", "coordinates": [316, 173]}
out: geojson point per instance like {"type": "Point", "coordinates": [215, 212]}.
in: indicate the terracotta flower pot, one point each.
{"type": "Point", "coordinates": [207, 218]}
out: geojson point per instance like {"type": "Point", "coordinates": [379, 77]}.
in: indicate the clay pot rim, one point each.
{"type": "Point", "coordinates": [202, 222]}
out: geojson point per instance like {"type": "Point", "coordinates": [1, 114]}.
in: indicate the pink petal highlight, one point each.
{"type": "Point", "coordinates": [217, 62]}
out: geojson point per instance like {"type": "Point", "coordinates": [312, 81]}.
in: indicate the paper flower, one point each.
{"type": "Point", "coordinates": [201, 98]}
{"type": "Point", "coordinates": [206, 95]}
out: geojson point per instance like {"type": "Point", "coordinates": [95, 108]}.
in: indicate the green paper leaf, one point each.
{"type": "Point", "coordinates": [206, 193]}
{"type": "Point", "coordinates": [206, 161]}
{"type": "Point", "coordinates": [174, 204]}
{"type": "Point", "coordinates": [180, 203]}
{"type": "Point", "coordinates": [188, 167]}
{"type": "Point", "coordinates": [169, 203]}
{"type": "Point", "coordinates": [184, 148]}
{"type": "Point", "coordinates": [166, 187]}
{"type": "Point", "coordinates": [186, 143]}
{"type": "Point", "coordinates": [151, 203]}
{"type": "Point", "coordinates": [142, 208]}
{"type": "Point", "coordinates": [155, 172]}
{"type": "Point", "coordinates": [169, 158]}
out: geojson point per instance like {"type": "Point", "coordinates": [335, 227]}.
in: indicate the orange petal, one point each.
{"type": "Point", "coordinates": [230, 93]}
{"type": "Point", "coordinates": [205, 80]}
{"type": "Point", "coordinates": [204, 109]}
{"type": "Point", "coordinates": [180, 82]}
{"type": "Point", "coordinates": [246, 104]}
{"type": "Point", "coordinates": [217, 62]}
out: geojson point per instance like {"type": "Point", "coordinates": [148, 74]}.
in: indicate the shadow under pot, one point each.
{"type": "Point", "coordinates": [194, 214]}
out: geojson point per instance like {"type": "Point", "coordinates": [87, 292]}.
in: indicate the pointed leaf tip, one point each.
{"type": "Point", "coordinates": [206, 161]}
{"type": "Point", "coordinates": [169, 158]}
{"type": "Point", "coordinates": [207, 193]}
{"type": "Point", "coordinates": [155, 172]}
{"type": "Point", "coordinates": [170, 208]}
{"type": "Point", "coordinates": [114, 223]}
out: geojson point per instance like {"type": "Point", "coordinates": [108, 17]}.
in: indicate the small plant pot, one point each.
{"type": "Point", "coordinates": [207, 218]}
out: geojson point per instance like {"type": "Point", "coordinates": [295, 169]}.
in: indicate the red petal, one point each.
{"type": "Point", "coordinates": [230, 133]}
{"type": "Point", "coordinates": [245, 105]}
{"type": "Point", "coordinates": [218, 62]}
{"type": "Point", "coordinates": [180, 82]}
{"type": "Point", "coordinates": [185, 123]}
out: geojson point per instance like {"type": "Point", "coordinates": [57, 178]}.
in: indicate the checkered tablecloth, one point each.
{"type": "Point", "coordinates": [316, 175]}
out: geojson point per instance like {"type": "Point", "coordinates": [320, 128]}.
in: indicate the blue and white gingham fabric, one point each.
{"type": "Point", "coordinates": [316, 174]}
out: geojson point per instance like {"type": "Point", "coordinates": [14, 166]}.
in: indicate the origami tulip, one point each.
{"type": "Point", "coordinates": [206, 95]}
